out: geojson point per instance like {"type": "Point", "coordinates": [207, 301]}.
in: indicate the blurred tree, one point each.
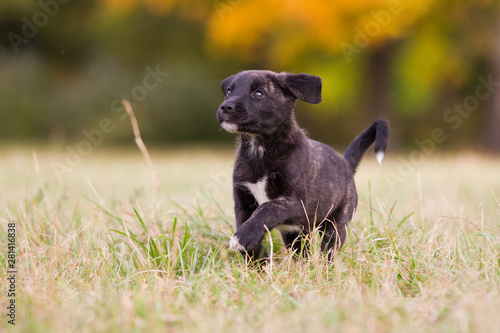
{"type": "Point", "coordinates": [411, 54]}
{"type": "Point", "coordinates": [408, 60]}
{"type": "Point", "coordinates": [286, 30]}
{"type": "Point", "coordinates": [492, 135]}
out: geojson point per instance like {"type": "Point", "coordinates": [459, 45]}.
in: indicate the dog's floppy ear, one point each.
{"type": "Point", "coordinates": [225, 83]}
{"type": "Point", "coordinates": [305, 87]}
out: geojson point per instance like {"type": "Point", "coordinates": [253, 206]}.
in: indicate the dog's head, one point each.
{"type": "Point", "coordinates": [258, 102]}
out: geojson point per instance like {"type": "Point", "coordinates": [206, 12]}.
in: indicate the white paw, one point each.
{"type": "Point", "coordinates": [234, 244]}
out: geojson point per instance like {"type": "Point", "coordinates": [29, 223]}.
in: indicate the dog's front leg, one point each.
{"type": "Point", "coordinates": [267, 216]}
{"type": "Point", "coordinates": [244, 206]}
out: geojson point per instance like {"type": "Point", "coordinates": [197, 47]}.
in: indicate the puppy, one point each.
{"type": "Point", "coordinates": [282, 179]}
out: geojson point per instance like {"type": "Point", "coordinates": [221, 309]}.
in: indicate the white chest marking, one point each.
{"type": "Point", "coordinates": [255, 148]}
{"type": "Point", "coordinates": [258, 190]}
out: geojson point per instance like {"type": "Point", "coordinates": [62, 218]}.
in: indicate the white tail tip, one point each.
{"type": "Point", "coordinates": [380, 157]}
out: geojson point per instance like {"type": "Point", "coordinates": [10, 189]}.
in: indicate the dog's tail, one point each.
{"type": "Point", "coordinates": [377, 132]}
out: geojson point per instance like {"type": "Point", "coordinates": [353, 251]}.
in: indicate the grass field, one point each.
{"type": "Point", "coordinates": [106, 250]}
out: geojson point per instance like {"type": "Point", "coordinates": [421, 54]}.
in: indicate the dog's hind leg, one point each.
{"type": "Point", "coordinates": [257, 256]}
{"type": "Point", "coordinates": [296, 242]}
{"type": "Point", "coordinates": [334, 228]}
{"type": "Point", "coordinates": [333, 235]}
{"type": "Point", "coordinates": [334, 231]}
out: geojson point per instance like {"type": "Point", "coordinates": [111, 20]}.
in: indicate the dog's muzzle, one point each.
{"type": "Point", "coordinates": [225, 109]}
{"type": "Point", "coordinates": [229, 127]}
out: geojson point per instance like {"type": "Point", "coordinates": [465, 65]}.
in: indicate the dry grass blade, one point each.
{"type": "Point", "coordinates": [53, 217]}
{"type": "Point", "coordinates": [140, 143]}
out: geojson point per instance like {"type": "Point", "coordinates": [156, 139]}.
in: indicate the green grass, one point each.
{"type": "Point", "coordinates": [104, 250]}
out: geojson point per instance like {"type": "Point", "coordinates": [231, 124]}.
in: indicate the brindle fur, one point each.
{"type": "Point", "coordinates": [307, 184]}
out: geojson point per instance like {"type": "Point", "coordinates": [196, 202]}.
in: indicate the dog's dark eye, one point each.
{"type": "Point", "coordinates": [258, 94]}
{"type": "Point", "coordinates": [228, 91]}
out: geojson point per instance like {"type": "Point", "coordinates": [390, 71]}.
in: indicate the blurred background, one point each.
{"type": "Point", "coordinates": [430, 66]}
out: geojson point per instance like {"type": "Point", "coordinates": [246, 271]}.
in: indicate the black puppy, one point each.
{"type": "Point", "coordinates": [281, 178]}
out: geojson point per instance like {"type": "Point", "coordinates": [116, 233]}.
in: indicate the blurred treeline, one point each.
{"type": "Point", "coordinates": [65, 64]}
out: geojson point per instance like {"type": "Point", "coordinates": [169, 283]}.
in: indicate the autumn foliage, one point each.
{"type": "Point", "coordinates": [398, 58]}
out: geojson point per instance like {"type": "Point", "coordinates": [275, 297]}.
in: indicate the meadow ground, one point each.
{"type": "Point", "coordinates": [102, 249]}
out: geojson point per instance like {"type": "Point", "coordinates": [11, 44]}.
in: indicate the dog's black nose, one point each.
{"type": "Point", "coordinates": [226, 107]}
